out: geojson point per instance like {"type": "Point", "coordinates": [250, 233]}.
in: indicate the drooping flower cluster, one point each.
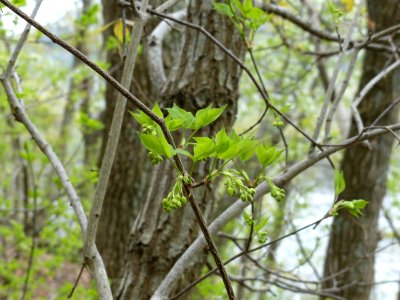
{"type": "Point", "coordinates": [276, 192]}
{"type": "Point", "coordinates": [234, 186]}
{"type": "Point", "coordinates": [173, 201]}
{"type": "Point", "coordinates": [175, 198]}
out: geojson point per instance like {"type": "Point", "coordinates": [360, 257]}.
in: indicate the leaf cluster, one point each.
{"type": "Point", "coordinates": [222, 149]}
{"type": "Point", "coordinates": [245, 16]}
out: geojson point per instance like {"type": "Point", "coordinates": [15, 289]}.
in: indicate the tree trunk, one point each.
{"type": "Point", "coordinates": [131, 169]}
{"type": "Point", "coordinates": [353, 241]}
{"type": "Point", "coordinates": [203, 75]}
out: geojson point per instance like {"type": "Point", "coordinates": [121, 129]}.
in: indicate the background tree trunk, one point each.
{"type": "Point", "coordinates": [131, 170]}
{"type": "Point", "coordinates": [353, 241]}
{"type": "Point", "coordinates": [202, 76]}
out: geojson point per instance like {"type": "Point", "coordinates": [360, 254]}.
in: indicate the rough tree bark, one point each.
{"type": "Point", "coordinates": [353, 241]}
{"type": "Point", "coordinates": [203, 75]}
{"type": "Point", "coordinates": [130, 174]}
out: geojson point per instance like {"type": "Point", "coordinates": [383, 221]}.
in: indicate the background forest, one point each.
{"type": "Point", "coordinates": [199, 149]}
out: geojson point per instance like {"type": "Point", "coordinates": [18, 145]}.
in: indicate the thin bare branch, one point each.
{"type": "Point", "coordinates": [331, 87]}
{"type": "Point", "coordinates": [365, 91]}
{"type": "Point", "coordinates": [166, 5]}
{"type": "Point", "coordinates": [339, 96]}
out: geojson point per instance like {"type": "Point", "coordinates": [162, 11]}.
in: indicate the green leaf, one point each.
{"type": "Point", "coordinates": [157, 144]}
{"type": "Point", "coordinates": [207, 115]}
{"type": "Point", "coordinates": [239, 6]}
{"type": "Point", "coordinates": [178, 113]}
{"type": "Point", "coordinates": [89, 125]}
{"type": "Point", "coordinates": [247, 5]}
{"type": "Point", "coordinates": [245, 156]}
{"type": "Point", "coordinates": [335, 12]}
{"type": "Point", "coordinates": [238, 148]}
{"type": "Point", "coordinates": [247, 218]}
{"type": "Point", "coordinates": [340, 183]}
{"type": "Point", "coordinates": [184, 152]}
{"type": "Point", "coordinates": [144, 119]}
{"type": "Point", "coordinates": [205, 147]}
{"type": "Point", "coordinates": [90, 16]}
{"type": "Point", "coordinates": [223, 9]}
{"type": "Point", "coordinates": [354, 207]}
{"type": "Point", "coordinates": [141, 117]}
{"type": "Point", "coordinates": [267, 155]}
{"type": "Point", "coordinates": [173, 124]}
{"type": "Point", "coordinates": [157, 110]}
{"type": "Point", "coordinates": [257, 17]}
{"type": "Point", "coordinates": [260, 225]}
{"type": "Point", "coordinates": [19, 2]}
{"type": "Point", "coordinates": [222, 141]}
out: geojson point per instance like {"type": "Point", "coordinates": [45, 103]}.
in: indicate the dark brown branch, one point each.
{"type": "Point", "coordinates": [76, 282]}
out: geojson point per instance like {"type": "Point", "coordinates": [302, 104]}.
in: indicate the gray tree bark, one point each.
{"type": "Point", "coordinates": [353, 241]}
{"type": "Point", "coordinates": [131, 170]}
{"type": "Point", "coordinates": [203, 75]}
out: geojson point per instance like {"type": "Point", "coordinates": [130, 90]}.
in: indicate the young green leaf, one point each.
{"type": "Point", "coordinates": [142, 118]}
{"type": "Point", "coordinates": [354, 207]}
{"type": "Point", "coordinates": [207, 115]}
{"type": "Point", "coordinates": [184, 152]}
{"type": "Point", "coordinates": [267, 155]}
{"type": "Point", "coordinates": [247, 5]}
{"type": "Point", "coordinates": [157, 144]}
{"type": "Point", "coordinates": [157, 110]}
{"type": "Point", "coordinates": [260, 225]}
{"type": "Point", "coordinates": [245, 156]}
{"type": "Point", "coordinates": [173, 124]}
{"type": "Point", "coordinates": [238, 148]}
{"type": "Point", "coordinates": [222, 142]}
{"type": "Point", "coordinates": [340, 183]}
{"type": "Point", "coordinates": [205, 147]}
{"type": "Point", "coordinates": [257, 17]}
{"type": "Point", "coordinates": [239, 6]}
{"type": "Point", "coordinates": [223, 9]}
{"type": "Point", "coordinates": [247, 218]}
{"type": "Point", "coordinates": [178, 113]}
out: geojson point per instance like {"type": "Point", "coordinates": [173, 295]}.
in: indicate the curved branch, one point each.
{"type": "Point", "coordinates": [288, 15]}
